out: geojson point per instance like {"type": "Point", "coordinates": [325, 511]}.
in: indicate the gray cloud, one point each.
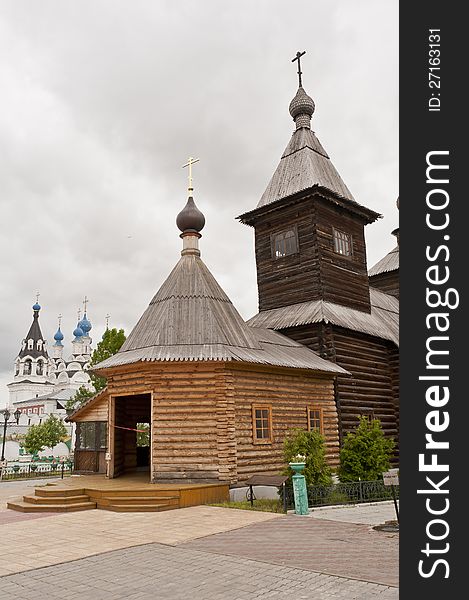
{"type": "Point", "coordinates": [102, 103]}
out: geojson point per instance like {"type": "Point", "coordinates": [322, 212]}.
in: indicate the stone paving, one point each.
{"type": "Point", "coordinates": [345, 549]}
{"type": "Point", "coordinates": [69, 536]}
{"type": "Point", "coordinates": [158, 572]}
{"type": "Point", "coordinates": [207, 553]}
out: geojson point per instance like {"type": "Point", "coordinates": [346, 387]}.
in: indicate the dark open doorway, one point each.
{"type": "Point", "coordinates": [130, 452]}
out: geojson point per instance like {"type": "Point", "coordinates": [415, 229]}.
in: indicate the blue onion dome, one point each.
{"type": "Point", "coordinates": [85, 325]}
{"type": "Point", "coordinates": [190, 218]}
{"type": "Point", "coordinates": [78, 331]}
{"type": "Point", "coordinates": [37, 307]}
{"type": "Point", "coordinates": [59, 336]}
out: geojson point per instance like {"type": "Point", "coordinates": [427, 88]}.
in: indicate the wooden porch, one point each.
{"type": "Point", "coordinates": [128, 493]}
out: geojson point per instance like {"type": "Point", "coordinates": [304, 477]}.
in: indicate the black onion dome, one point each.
{"type": "Point", "coordinates": [302, 104]}
{"type": "Point", "coordinates": [190, 218]}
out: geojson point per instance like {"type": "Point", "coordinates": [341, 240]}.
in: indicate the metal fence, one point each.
{"type": "Point", "coordinates": [355, 492]}
{"type": "Point", "coordinates": [36, 470]}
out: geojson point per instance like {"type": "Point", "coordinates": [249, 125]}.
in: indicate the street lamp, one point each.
{"type": "Point", "coordinates": [6, 422]}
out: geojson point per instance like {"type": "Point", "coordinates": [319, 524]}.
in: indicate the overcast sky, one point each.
{"type": "Point", "coordinates": [102, 103]}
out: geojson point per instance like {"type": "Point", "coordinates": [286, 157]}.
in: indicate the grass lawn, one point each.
{"type": "Point", "coordinates": [264, 505]}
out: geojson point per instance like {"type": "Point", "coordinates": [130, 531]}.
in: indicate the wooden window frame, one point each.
{"type": "Point", "coordinates": [369, 413]}
{"type": "Point", "coordinates": [255, 439]}
{"type": "Point", "coordinates": [274, 236]}
{"type": "Point", "coordinates": [336, 233]}
{"type": "Point", "coordinates": [100, 431]}
{"type": "Point", "coordinates": [312, 408]}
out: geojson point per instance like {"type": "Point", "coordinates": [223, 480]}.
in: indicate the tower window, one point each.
{"type": "Point", "coordinates": [40, 367]}
{"type": "Point", "coordinates": [27, 367]}
{"type": "Point", "coordinates": [342, 243]}
{"type": "Point", "coordinates": [284, 243]}
{"type": "Point", "coordinates": [30, 344]}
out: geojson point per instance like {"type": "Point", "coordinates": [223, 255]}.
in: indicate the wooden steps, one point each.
{"type": "Point", "coordinates": [148, 507]}
{"type": "Point", "coordinates": [118, 496]}
{"type": "Point", "coordinates": [31, 507]}
{"type": "Point", "coordinates": [134, 501]}
{"type": "Point", "coordinates": [49, 500]}
{"type": "Point", "coordinates": [124, 500]}
{"type": "Point", "coordinates": [51, 491]}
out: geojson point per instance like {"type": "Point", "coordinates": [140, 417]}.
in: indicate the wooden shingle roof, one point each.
{"type": "Point", "coordinates": [382, 322]}
{"type": "Point", "coordinates": [388, 263]}
{"type": "Point", "coordinates": [191, 318]}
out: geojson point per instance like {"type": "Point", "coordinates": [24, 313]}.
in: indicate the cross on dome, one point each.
{"type": "Point", "coordinates": [189, 164]}
{"type": "Point", "coordinates": [298, 58]}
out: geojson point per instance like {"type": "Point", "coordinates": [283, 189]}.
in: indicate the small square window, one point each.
{"type": "Point", "coordinates": [342, 243]}
{"type": "Point", "coordinates": [262, 424]}
{"type": "Point", "coordinates": [284, 243]}
{"type": "Point", "coordinates": [369, 413]}
{"type": "Point", "coordinates": [315, 419]}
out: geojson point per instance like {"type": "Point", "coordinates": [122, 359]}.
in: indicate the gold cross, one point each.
{"type": "Point", "coordinates": [37, 297]}
{"type": "Point", "coordinates": [85, 302]}
{"type": "Point", "coordinates": [189, 164]}
{"type": "Point", "coordinates": [60, 320]}
{"type": "Point", "coordinates": [108, 316]}
{"type": "Point", "coordinates": [79, 314]}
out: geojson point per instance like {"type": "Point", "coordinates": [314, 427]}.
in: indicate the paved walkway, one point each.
{"type": "Point", "coordinates": [207, 553]}
{"type": "Point", "coordinates": [158, 572]}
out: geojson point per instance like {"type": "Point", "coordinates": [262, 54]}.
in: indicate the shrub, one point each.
{"type": "Point", "coordinates": [365, 453]}
{"type": "Point", "coordinates": [311, 445]}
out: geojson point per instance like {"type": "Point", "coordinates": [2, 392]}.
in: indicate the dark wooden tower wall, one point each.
{"type": "Point", "coordinates": [373, 387]}
{"type": "Point", "coordinates": [296, 275]}
{"type": "Point", "coordinates": [344, 279]}
{"type": "Point", "coordinates": [386, 282]}
{"type": "Point", "coordinates": [315, 271]}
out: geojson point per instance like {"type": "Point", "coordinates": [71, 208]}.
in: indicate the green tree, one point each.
{"type": "Point", "coordinates": [365, 453]}
{"type": "Point", "coordinates": [34, 440]}
{"type": "Point", "coordinates": [54, 431]}
{"type": "Point", "coordinates": [110, 343]}
{"type": "Point", "coordinates": [311, 445]}
{"type": "Point", "coordinates": [80, 397]}
{"type": "Point", "coordinates": [143, 435]}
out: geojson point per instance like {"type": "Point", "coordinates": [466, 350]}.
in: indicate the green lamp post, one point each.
{"type": "Point", "coordinates": [300, 492]}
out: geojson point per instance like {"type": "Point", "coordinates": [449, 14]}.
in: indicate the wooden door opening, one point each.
{"type": "Point", "coordinates": [129, 412]}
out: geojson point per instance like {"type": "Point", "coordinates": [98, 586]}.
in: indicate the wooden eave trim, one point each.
{"type": "Point", "coordinates": [216, 364]}
{"type": "Point", "coordinates": [282, 370]}
{"type": "Point", "coordinates": [370, 216]}
{"type": "Point", "coordinates": [91, 402]}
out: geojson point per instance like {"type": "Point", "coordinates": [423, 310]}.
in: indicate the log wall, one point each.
{"type": "Point", "coordinates": [386, 282]}
{"type": "Point", "coordinates": [374, 367]}
{"type": "Point", "coordinates": [279, 280]}
{"type": "Point", "coordinates": [97, 411]}
{"type": "Point", "coordinates": [202, 427]}
{"type": "Point", "coordinates": [344, 279]}
{"type": "Point", "coordinates": [289, 395]}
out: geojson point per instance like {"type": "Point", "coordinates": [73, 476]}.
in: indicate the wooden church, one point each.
{"type": "Point", "coordinates": [220, 394]}
{"type": "Point", "coordinates": [312, 276]}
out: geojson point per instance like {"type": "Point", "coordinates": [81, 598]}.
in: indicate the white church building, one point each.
{"type": "Point", "coordinates": [42, 382]}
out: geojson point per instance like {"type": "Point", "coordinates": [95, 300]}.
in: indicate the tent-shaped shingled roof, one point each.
{"type": "Point", "coordinates": [191, 318]}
